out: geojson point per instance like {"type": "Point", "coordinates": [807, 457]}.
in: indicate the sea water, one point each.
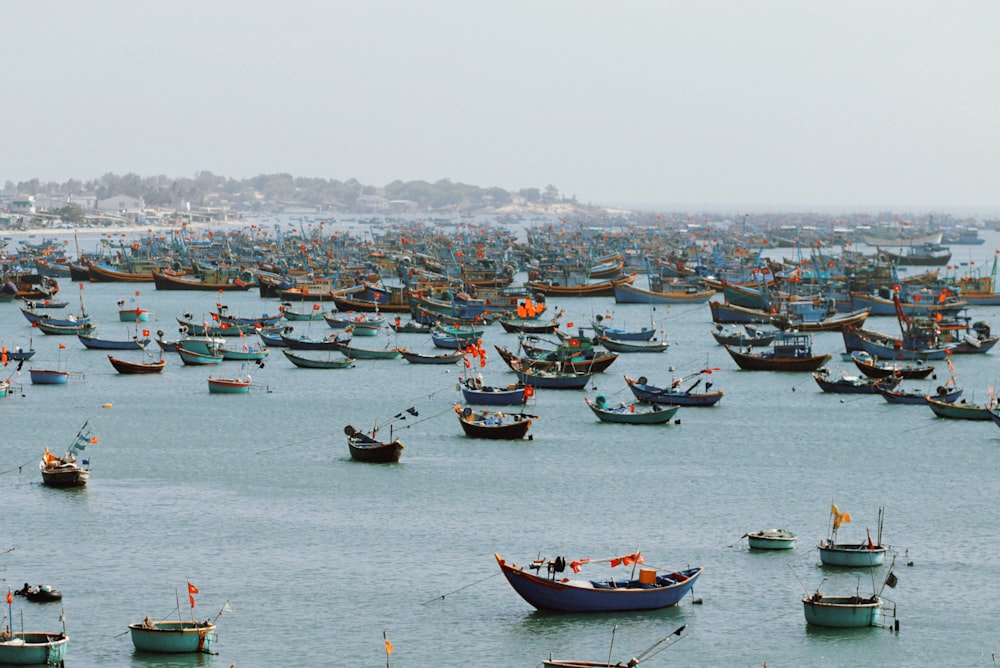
{"type": "Point", "coordinates": [255, 500]}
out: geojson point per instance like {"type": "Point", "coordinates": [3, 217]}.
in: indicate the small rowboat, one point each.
{"type": "Point", "coordinates": [48, 377]}
{"type": "Point", "coordinates": [420, 358]}
{"type": "Point", "coordinates": [365, 448]}
{"type": "Point", "coordinates": [366, 354]}
{"type": "Point", "coordinates": [876, 368]}
{"type": "Point", "coordinates": [304, 362]}
{"type": "Point", "coordinates": [173, 637]}
{"type": "Point", "coordinates": [630, 413]}
{"type": "Point", "coordinates": [476, 393]}
{"type": "Point", "coordinates": [191, 358]}
{"type": "Point", "coordinates": [34, 649]}
{"type": "Point", "coordinates": [842, 612]}
{"type": "Point", "coordinates": [959, 411]}
{"type": "Point", "coordinates": [616, 346]}
{"type": "Point", "coordinates": [228, 385]}
{"type": "Point", "coordinates": [945, 394]}
{"type": "Point", "coordinates": [650, 651]}
{"type": "Point", "coordinates": [493, 425]}
{"type": "Point", "coordinates": [771, 539]}
{"type": "Point", "coordinates": [126, 367]}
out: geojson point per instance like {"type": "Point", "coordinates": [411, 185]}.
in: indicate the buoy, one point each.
{"type": "Point", "coordinates": [105, 405]}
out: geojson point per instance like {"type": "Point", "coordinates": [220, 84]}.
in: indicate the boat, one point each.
{"type": "Point", "coordinates": [240, 385]}
{"type": "Point", "coordinates": [530, 326]}
{"type": "Point", "coordinates": [555, 593]}
{"type": "Point", "coordinates": [192, 358]}
{"type": "Point", "coordinates": [873, 367]}
{"type": "Point", "coordinates": [411, 327]}
{"type": "Point", "coordinates": [899, 395]}
{"type": "Point", "coordinates": [616, 346]}
{"type": "Point", "coordinates": [304, 362]}
{"type": "Point", "coordinates": [618, 334]}
{"type": "Point", "coordinates": [629, 414]}
{"type": "Point", "coordinates": [742, 337]}
{"type": "Point", "coordinates": [630, 294]}
{"type": "Point", "coordinates": [475, 392]}
{"type": "Point", "coordinates": [550, 378]}
{"type": "Point", "coordinates": [921, 255]}
{"type": "Point", "coordinates": [18, 354]}
{"type": "Point", "coordinates": [41, 594]}
{"type": "Point", "coordinates": [103, 273]}
{"type": "Point", "coordinates": [33, 649]}
{"type": "Point", "coordinates": [365, 448]}
{"type": "Point", "coordinates": [960, 410]}
{"type": "Point", "coordinates": [92, 342]}
{"type": "Point", "coordinates": [790, 351]}
{"type": "Point", "coordinates": [366, 353]}
{"type": "Point", "coordinates": [421, 358]}
{"type": "Point", "coordinates": [331, 342]}
{"type": "Point", "coordinates": [647, 653]}
{"type": "Point", "coordinates": [65, 471]}
{"type": "Point", "coordinates": [69, 321]}
{"type": "Point", "coordinates": [675, 395]}
{"type": "Point", "coordinates": [598, 289]}
{"type": "Point", "coordinates": [493, 424]}
{"type": "Point", "coordinates": [364, 324]}
{"type": "Point", "coordinates": [847, 384]}
{"type": "Point", "coordinates": [167, 280]}
{"type": "Point", "coordinates": [771, 539]}
{"type": "Point", "coordinates": [135, 314]}
{"type": "Point", "coordinates": [48, 377]}
{"type": "Point", "coordinates": [293, 315]}
{"type": "Point", "coordinates": [133, 368]}
{"type": "Point", "coordinates": [851, 555]}
{"type": "Point", "coordinates": [852, 611]}
{"type": "Point", "coordinates": [173, 636]}
{"type": "Point", "coordinates": [63, 330]}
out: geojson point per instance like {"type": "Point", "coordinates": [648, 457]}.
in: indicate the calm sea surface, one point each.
{"type": "Point", "coordinates": [255, 500]}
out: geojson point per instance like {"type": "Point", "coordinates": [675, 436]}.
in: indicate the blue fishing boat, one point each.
{"type": "Point", "coordinates": [423, 358]}
{"type": "Point", "coordinates": [551, 379]}
{"type": "Point", "coordinates": [328, 362]}
{"type": "Point", "coordinates": [48, 377]}
{"type": "Point", "coordinates": [618, 334]}
{"type": "Point", "coordinates": [475, 392]}
{"type": "Point", "coordinates": [896, 395]}
{"type": "Point", "coordinates": [552, 592]}
{"type": "Point", "coordinates": [689, 294]}
{"type": "Point", "coordinates": [94, 343]}
{"type": "Point", "coordinates": [229, 385]}
{"type": "Point", "coordinates": [790, 351]}
{"type": "Point", "coordinates": [742, 337]}
{"type": "Point", "coordinates": [847, 384]}
{"type": "Point", "coordinates": [192, 358]}
{"type": "Point", "coordinates": [852, 611]}
{"type": "Point", "coordinates": [851, 555]}
{"type": "Point", "coordinates": [616, 346]}
{"type": "Point", "coordinates": [68, 321]}
{"type": "Point", "coordinates": [675, 394]}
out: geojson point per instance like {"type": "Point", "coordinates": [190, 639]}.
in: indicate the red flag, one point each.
{"type": "Point", "coordinates": [192, 590]}
{"type": "Point", "coordinates": [10, 599]}
{"type": "Point", "coordinates": [62, 346]}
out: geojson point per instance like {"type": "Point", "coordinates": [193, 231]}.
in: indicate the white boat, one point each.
{"type": "Point", "coordinates": [771, 539]}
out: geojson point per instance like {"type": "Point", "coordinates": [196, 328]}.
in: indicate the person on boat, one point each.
{"type": "Point", "coordinates": [477, 382]}
{"type": "Point", "coordinates": [147, 623]}
{"type": "Point", "coordinates": [23, 591]}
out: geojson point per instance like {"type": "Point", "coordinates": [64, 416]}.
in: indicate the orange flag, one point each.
{"type": "Point", "coordinates": [62, 346]}
{"type": "Point", "coordinates": [192, 590]}
{"type": "Point", "coordinates": [10, 599]}
{"type": "Point", "coordinates": [388, 647]}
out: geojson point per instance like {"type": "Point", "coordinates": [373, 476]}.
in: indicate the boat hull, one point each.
{"type": "Point", "coordinates": [34, 649]}
{"type": "Point", "coordinates": [64, 477]}
{"type": "Point", "coordinates": [671, 397]}
{"type": "Point", "coordinates": [228, 386]}
{"type": "Point", "coordinates": [310, 363]}
{"type": "Point", "coordinates": [653, 415]}
{"type": "Point", "coordinates": [173, 637]}
{"type": "Point", "coordinates": [48, 377]}
{"type": "Point", "coordinates": [842, 612]}
{"type": "Point", "coordinates": [363, 448]}
{"type": "Point", "coordinates": [771, 539]}
{"type": "Point", "coordinates": [852, 555]}
{"type": "Point", "coordinates": [593, 596]}
{"type": "Point", "coordinates": [764, 363]}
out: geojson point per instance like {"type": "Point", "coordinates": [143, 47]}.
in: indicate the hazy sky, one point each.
{"type": "Point", "coordinates": [730, 102]}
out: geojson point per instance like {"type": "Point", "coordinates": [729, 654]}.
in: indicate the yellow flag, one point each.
{"type": "Point", "coordinates": [834, 510]}
{"type": "Point", "coordinates": [845, 518]}
{"type": "Point", "coordinates": [388, 647]}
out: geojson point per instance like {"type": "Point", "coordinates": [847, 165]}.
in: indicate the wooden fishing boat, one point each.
{"type": "Point", "coordinates": [630, 294]}
{"type": "Point", "coordinates": [493, 424]}
{"type": "Point", "coordinates": [742, 337]}
{"type": "Point", "coordinates": [365, 448]}
{"type": "Point", "coordinates": [520, 326]}
{"type": "Point", "coordinates": [619, 334]}
{"type": "Point", "coordinates": [33, 649]}
{"type": "Point", "coordinates": [833, 322]}
{"type": "Point", "coordinates": [732, 314]}
{"type": "Point", "coordinates": [166, 280]}
{"type": "Point", "coordinates": [135, 314]}
{"type": "Point", "coordinates": [292, 315]}
{"type": "Point", "coordinates": [63, 330]}
{"type": "Point", "coordinates": [897, 395]}
{"type": "Point", "coordinates": [94, 343]}
{"type": "Point", "coordinates": [72, 320]}
{"type": "Point", "coordinates": [18, 354]}
{"type": "Point", "coordinates": [550, 378]}
{"type": "Point", "coordinates": [616, 346]}
{"type": "Point", "coordinates": [629, 413]}
{"type": "Point", "coordinates": [192, 358]}
{"type": "Point", "coordinates": [102, 273]}
{"type": "Point", "coordinates": [331, 342]}
{"type": "Point", "coordinates": [845, 384]}
{"type": "Point", "coordinates": [475, 392]}
{"type": "Point", "coordinates": [411, 327]}
{"type": "Point", "coordinates": [364, 324]}
{"type": "Point", "coordinates": [649, 591]}
{"type": "Point", "coordinates": [132, 368]}
{"type": "Point", "coordinates": [771, 539]}
{"type": "Point", "coordinates": [873, 367]}
{"type": "Point", "coordinates": [366, 353]}
{"type": "Point", "coordinates": [421, 358]}
{"type": "Point", "coordinates": [599, 289]}
{"type": "Point", "coordinates": [173, 636]}
{"type": "Point", "coordinates": [675, 395]}
{"type": "Point", "coordinates": [649, 652]}
{"type": "Point", "coordinates": [229, 385]}
{"type": "Point", "coordinates": [66, 471]}
{"type": "Point", "coordinates": [790, 351]}
{"type": "Point", "coordinates": [851, 555]}
{"type": "Point", "coordinates": [48, 377]}
{"type": "Point", "coordinates": [959, 411]}
{"type": "Point", "coordinates": [304, 362]}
